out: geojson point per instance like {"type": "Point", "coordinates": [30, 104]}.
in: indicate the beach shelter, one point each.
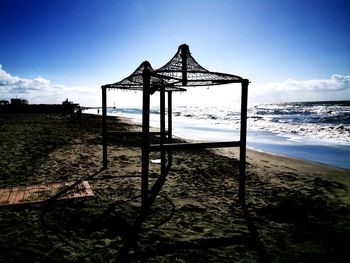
{"type": "Point", "coordinates": [181, 71]}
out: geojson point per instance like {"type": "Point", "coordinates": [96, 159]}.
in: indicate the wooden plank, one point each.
{"type": "Point", "coordinates": [88, 188]}
{"type": "Point", "coordinates": [18, 195]}
{"type": "Point", "coordinates": [12, 195]}
{"type": "Point", "coordinates": [31, 193]}
{"type": "Point", "coordinates": [39, 193]}
{"type": "Point", "coordinates": [4, 196]}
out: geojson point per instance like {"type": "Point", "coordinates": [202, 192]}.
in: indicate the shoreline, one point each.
{"type": "Point", "coordinates": [232, 152]}
{"type": "Point", "coordinates": [289, 163]}
{"type": "Point", "coordinates": [301, 210]}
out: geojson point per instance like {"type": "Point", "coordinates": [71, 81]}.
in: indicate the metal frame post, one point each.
{"type": "Point", "coordinates": [104, 127]}
{"type": "Point", "coordinates": [162, 131]}
{"type": "Point", "coordinates": [243, 141]}
{"type": "Point", "coordinates": [145, 138]}
{"type": "Point", "coordinates": [170, 128]}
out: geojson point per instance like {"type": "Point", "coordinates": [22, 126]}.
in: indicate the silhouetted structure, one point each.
{"type": "Point", "coordinates": [4, 102]}
{"type": "Point", "coordinates": [21, 106]}
{"type": "Point", "coordinates": [18, 102]}
{"type": "Point", "coordinates": [182, 70]}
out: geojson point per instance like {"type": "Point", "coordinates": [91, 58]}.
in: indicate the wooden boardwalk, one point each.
{"type": "Point", "coordinates": [38, 193]}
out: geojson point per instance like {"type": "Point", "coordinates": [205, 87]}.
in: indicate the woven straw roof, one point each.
{"type": "Point", "coordinates": [135, 80]}
{"type": "Point", "coordinates": [182, 70]}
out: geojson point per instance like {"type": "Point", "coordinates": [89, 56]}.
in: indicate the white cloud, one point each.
{"type": "Point", "coordinates": [337, 87]}
{"type": "Point", "coordinates": [41, 90]}
{"type": "Point", "coordinates": [335, 83]}
{"type": "Point", "coordinates": [14, 84]}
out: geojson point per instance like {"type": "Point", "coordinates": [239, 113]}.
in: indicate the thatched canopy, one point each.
{"type": "Point", "coordinates": [181, 70]}
{"type": "Point", "coordinates": [184, 70]}
{"type": "Point", "coordinates": [136, 81]}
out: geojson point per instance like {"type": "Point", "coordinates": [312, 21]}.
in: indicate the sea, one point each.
{"type": "Point", "coordinates": [313, 131]}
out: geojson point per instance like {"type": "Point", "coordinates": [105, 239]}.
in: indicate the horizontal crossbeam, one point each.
{"type": "Point", "coordinates": [135, 133]}
{"type": "Point", "coordinates": [199, 145]}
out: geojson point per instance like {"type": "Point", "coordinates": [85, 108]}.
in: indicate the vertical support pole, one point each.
{"type": "Point", "coordinates": [243, 141]}
{"type": "Point", "coordinates": [145, 138]}
{"type": "Point", "coordinates": [104, 127]}
{"type": "Point", "coordinates": [162, 131]}
{"type": "Point", "coordinates": [170, 127]}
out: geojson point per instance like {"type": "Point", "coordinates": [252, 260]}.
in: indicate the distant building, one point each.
{"type": "Point", "coordinates": [66, 102]}
{"type": "Point", "coordinates": [4, 102]}
{"type": "Point", "coordinates": [17, 102]}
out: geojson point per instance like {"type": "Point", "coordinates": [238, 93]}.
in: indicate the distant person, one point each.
{"type": "Point", "coordinates": [98, 111]}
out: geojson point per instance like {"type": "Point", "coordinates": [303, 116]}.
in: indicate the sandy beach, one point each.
{"type": "Point", "coordinates": [301, 210]}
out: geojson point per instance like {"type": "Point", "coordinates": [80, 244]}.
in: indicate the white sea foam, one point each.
{"type": "Point", "coordinates": [323, 122]}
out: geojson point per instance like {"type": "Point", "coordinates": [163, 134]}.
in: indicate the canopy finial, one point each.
{"type": "Point", "coordinates": [184, 49]}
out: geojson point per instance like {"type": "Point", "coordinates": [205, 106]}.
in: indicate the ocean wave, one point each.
{"type": "Point", "coordinates": [324, 121]}
{"type": "Point", "coordinates": [327, 121]}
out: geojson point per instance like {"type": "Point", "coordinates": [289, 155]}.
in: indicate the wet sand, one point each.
{"type": "Point", "coordinates": [300, 209]}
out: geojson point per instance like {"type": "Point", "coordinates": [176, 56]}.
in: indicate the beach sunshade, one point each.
{"type": "Point", "coordinates": [184, 70]}
{"type": "Point", "coordinates": [181, 71]}
{"type": "Point", "coordinates": [135, 81]}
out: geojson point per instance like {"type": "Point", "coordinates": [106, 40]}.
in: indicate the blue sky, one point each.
{"type": "Point", "coordinates": [289, 49]}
